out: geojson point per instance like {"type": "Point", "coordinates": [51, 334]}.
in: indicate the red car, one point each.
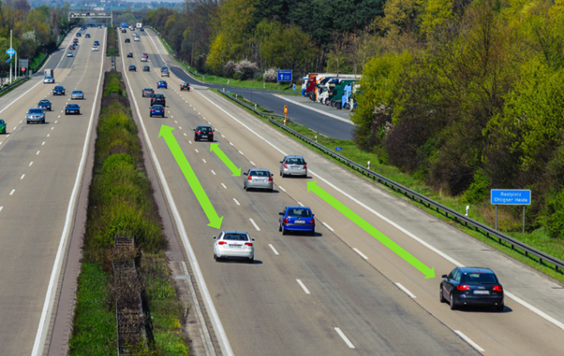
{"type": "Point", "coordinates": [72, 47]}
{"type": "Point", "coordinates": [145, 55]}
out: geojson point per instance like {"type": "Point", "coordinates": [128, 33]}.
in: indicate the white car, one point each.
{"type": "Point", "coordinates": [48, 80]}
{"type": "Point", "coordinates": [69, 54]}
{"type": "Point", "coordinates": [77, 94]}
{"type": "Point", "coordinates": [95, 48]}
{"type": "Point", "coordinates": [143, 59]}
{"type": "Point", "coordinates": [136, 38]}
{"type": "Point", "coordinates": [236, 244]}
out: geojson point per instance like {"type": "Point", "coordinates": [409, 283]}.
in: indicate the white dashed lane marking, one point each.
{"type": "Point", "coordinates": [22, 177]}
{"type": "Point", "coordinates": [237, 202]}
{"type": "Point", "coordinates": [12, 192]}
{"type": "Point", "coordinates": [273, 249]}
{"type": "Point", "coordinates": [223, 185]}
{"type": "Point", "coordinates": [254, 224]}
{"type": "Point", "coordinates": [303, 286]}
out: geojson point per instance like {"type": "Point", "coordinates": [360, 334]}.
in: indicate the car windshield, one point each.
{"type": "Point", "coordinates": [203, 129]}
{"type": "Point", "coordinates": [77, 92]}
{"type": "Point", "coordinates": [236, 237]}
{"type": "Point", "coordinates": [59, 88]}
{"type": "Point", "coordinates": [299, 212]}
{"type": "Point", "coordinates": [44, 102]}
{"type": "Point", "coordinates": [295, 161]}
{"type": "Point", "coordinates": [159, 96]}
{"type": "Point", "coordinates": [72, 106]}
{"type": "Point", "coordinates": [2, 122]}
{"type": "Point", "coordinates": [259, 174]}
{"type": "Point", "coordinates": [148, 89]}
{"type": "Point", "coordinates": [35, 111]}
{"type": "Point", "coordinates": [479, 278]}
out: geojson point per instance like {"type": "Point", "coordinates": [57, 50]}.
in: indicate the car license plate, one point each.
{"type": "Point", "coordinates": [299, 222]}
{"type": "Point", "coordinates": [204, 136]}
{"type": "Point", "coordinates": [296, 167]}
{"type": "Point", "coordinates": [482, 292]}
{"type": "Point", "coordinates": [235, 245]}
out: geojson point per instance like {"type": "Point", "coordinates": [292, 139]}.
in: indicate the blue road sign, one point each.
{"type": "Point", "coordinates": [510, 197]}
{"type": "Point", "coordinates": [294, 87]}
{"type": "Point", "coordinates": [8, 60]}
{"type": "Point", "coordinates": [10, 52]}
{"type": "Point", "coordinates": [284, 75]}
{"type": "Point", "coordinates": [338, 148]}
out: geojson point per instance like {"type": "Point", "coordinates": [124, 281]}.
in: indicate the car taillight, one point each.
{"type": "Point", "coordinates": [305, 166]}
{"type": "Point", "coordinates": [249, 244]}
{"type": "Point", "coordinates": [250, 178]}
{"type": "Point", "coordinates": [198, 132]}
{"type": "Point", "coordinates": [221, 243]}
{"type": "Point", "coordinates": [312, 222]}
{"type": "Point", "coordinates": [463, 287]}
{"type": "Point", "coordinates": [285, 220]}
{"type": "Point", "coordinates": [498, 288]}
{"type": "Point", "coordinates": [286, 165]}
{"type": "Point", "coordinates": [270, 179]}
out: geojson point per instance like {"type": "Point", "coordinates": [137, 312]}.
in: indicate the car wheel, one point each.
{"type": "Point", "coordinates": [441, 296]}
{"type": "Point", "coordinates": [452, 305]}
{"type": "Point", "coordinates": [279, 227]}
{"type": "Point", "coordinates": [284, 232]}
{"type": "Point", "coordinates": [28, 122]}
{"type": "Point", "coordinates": [312, 233]}
{"type": "Point", "coordinates": [43, 121]}
{"type": "Point", "coordinates": [499, 308]}
{"type": "Point", "coordinates": [150, 115]}
{"type": "Point", "coordinates": [252, 260]}
{"type": "Point", "coordinates": [215, 257]}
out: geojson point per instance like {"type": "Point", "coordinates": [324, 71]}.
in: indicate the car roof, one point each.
{"type": "Point", "coordinates": [43, 100]}
{"type": "Point", "coordinates": [294, 156]}
{"type": "Point", "coordinates": [58, 86]}
{"type": "Point", "coordinates": [72, 104]}
{"type": "Point", "coordinates": [77, 91]}
{"type": "Point", "coordinates": [204, 126]}
{"type": "Point", "coordinates": [298, 207]}
{"type": "Point", "coordinates": [234, 232]}
{"type": "Point", "coordinates": [36, 109]}
{"type": "Point", "coordinates": [158, 95]}
{"type": "Point", "coordinates": [148, 89]}
{"type": "Point", "coordinates": [259, 169]}
{"type": "Point", "coordinates": [476, 270]}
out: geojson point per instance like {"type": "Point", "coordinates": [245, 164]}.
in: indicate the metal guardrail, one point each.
{"type": "Point", "coordinates": [431, 204]}
{"type": "Point", "coordinates": [13, 85]}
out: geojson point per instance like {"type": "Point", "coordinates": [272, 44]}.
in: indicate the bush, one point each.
{"type": "Point", "coordinates": [246, 69]}
{"type": "Point", "coordinates": [229, 69]}
{"type": "Point", "coordinates": [553, 214]}
{"type": "Point", "coordinates": [479, 189]}
{"type": "Point", "coordinates": [271, 75]}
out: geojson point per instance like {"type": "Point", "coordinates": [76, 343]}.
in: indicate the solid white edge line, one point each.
{"type": "Point", "coordinates": [254, 224]}
{"type": "Point", "coordinates": [253, 163]}
{"type": "Point", "coordinates": [424, 243]}
{"type": "Point", "coordinates": [41, 334]}
{"type": "Point", "coordinates": [272, 247]}
{"type": "Point", "coordinates": [281, 188]}
{"type": "Point", "coordinates": [360, 253]}
{"type": "Point", "coordinates": [236, 201]}
{"type": "Point", "coordinates": [406, 291]}
{"type": "Point", "coordinates": [303, 286]}
{"type": "Point", "coordinates": [217, 325]}
{"type": "Point", "coordinates": [300, 204]}
{"type": "Point", "coordinates": [469, 341]}
{"type": "Point", "coordinates": [327, 226]}
{"type": "Point", "coordinates": [344, 337]}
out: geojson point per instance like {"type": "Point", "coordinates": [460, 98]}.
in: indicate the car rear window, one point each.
{"type": "Point", "coordinates": [159, 96]}
{"type": "Point", "coordinates": [260, 174]}
{"type": "Point", "coordinates": [301, 213]}
{"type": "Point", "coordinates": [295, 161]}
{"type": "Point", "coordinates": [479, 278]}
{"type": "Point", "coordinates": [236, 237]}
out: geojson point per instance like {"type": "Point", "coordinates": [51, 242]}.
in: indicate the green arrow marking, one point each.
{"type": "Point", "coordinates": [215, 148]}
{"type": "Point", "coordinates": [428, 272]}
{"type": "Point", "coordinates": [215, 220]}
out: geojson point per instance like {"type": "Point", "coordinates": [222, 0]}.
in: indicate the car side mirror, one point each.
{"type": "Point", "coordinates": [272, 175]}
{"type": "Point", "coordinates": [281, 162]}
{"type": "Point", "coordinates": [245, 173]}
{"type": "Point", "coordinates": [193, 129]}
{"type": "Point", "coordinates": [281, 213]}
{"type": "Point", "coordinates": [215, 237]}
{"type": "Point", "coordinates": [444, 276]}
{"type": "Point", "coordinates": [252, 239]}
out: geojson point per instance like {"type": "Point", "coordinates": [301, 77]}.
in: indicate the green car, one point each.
{"type": "Point", "coordinates": [2, 126]}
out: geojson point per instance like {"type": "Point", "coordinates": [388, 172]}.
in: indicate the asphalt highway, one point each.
{"type": "Point", "coordinates": [340, 292]}
{"type": "Point", "coordinates": [39, 165]}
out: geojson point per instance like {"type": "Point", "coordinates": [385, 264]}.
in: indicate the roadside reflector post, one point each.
{"type": "Point", "coordinates": [467, 207]}
{"type": "Point", "coordinates": [315, 138]}
{"type": "Point", "coordinates": [368, 165]}
{"type": "Point", "coordinates": [285, 114]}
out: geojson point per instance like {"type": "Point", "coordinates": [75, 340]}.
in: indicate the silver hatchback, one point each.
{"type": "Point", "coordinates": [234, 244]}
{"type": "Point", "coordinates": [258, 178]}
{"type": "Point", "coordinates": [293, 166]}
{"type": "Point", "coordinates": [77, 94]}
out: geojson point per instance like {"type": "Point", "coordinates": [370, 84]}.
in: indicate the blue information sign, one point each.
{"type": "Point", "coordinates": [284, 75]}
{"type": "Point", "coordinates": [510, 197]}
{"type": "Point", "coordinates": [10, 52]}
{"type": "Point", "coordinates": [338, 148]}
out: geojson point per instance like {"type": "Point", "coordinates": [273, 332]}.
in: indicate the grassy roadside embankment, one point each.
{"type": "Point", "coordinates": [121, 203]}
{"type": "Point", "coordinates": [537, 239]}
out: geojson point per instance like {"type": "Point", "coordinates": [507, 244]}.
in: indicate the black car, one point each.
{"type": "Point", "coordinates": [471, 286]}
{"type": "Point", "coordinates": [96, 43]}
{"type": "Point", "coordinates": [132, 68]}
{"type": "Point", "coordinates": [130, 55]}
{"type": "Point", "coordinates": [146, 69]}
{"type": "Point", "coordinates": [44, 104]}
{"type": "Point", "coordinates": [72, 109]}
{"type": "Point", "coordinates": [203, 133]}
{"type": "Point", "coordinates": [59, 90]}
{"type": "Point", "coordinates": [184, 86]}
{"type": "Point", "coordinates": [127, 40]}
{"type": "Point", "coordinates": [158, 99]}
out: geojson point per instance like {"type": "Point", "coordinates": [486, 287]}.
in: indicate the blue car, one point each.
{"type": "Point", "coordinates": [87, 35]}
{"type": "Point", "coordinates": [59, 90]}
{"type": "Point", "coordinates": [296, 218]}
{"type": "Point", "coordinates": [162, 84]}
{"type": "Point", "coordinates": [157, 110]}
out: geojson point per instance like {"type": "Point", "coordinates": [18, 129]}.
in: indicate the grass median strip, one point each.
{"type": "Point", "coordinates": [536, 239]}
{"type": "Point", "coordinates": [121, 204]}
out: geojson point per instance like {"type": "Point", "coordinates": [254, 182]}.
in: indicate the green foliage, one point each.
{"type": "Point", "coordinates": [552, 216]}
{"type": "Point", "coordinates": [478, 190]}
{"type": "Point", "coordinates": [112, 46]}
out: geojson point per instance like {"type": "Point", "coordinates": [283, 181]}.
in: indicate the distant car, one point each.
{"type": "Point", "coordinates": [258, 178]}
{"type": "Point", "coordinates": [157, 110]}
{"type": "Point", "coordinates": [69, 54]}
{"type": "Point", "coordinates": [132, 68]}
{"type": "Point", "coordinates": [95, 48]}
{"type": "Point", "coordinates": [2, 126]}
{"type": "Point", "coordinates": [124, 31]}
{"type": "Point", "coordinates": [130, 55]}
{"type": "Point", "coordinates": [145, 55]}
{"type": "Point", "coordinates": [148, 92]}
{"type": "Point", "coordinates": [143, 59]}
{"type": "Point", "coordinates": [203, 132]}
{"type": "Point", "coordinates": [141, 29]}
{"type": "Point", "coordinates": [146, 69]}
{"type": "Point", "coordinates": [164, 68]}
{"type": "Point", "coordinates": [35, 115]}
{"type": "Point", "coordinates": [158, 99]}
{"type": "Point", "coordinates": [165, 73]}
{"type": "Point", "coordinates": [471, 286]}
{"type": "Point", "coordinates": [87, 35]}
{"type": "Point", "coordinates": [59, 90]}
{"type": "Point", "coordinates": [78, 34]}
{"type": "Point", "coordinates": [75, 41]}
{"type": "Point", "coordinates": [96, 43]}
{"type": "Point", "coordinates": [127, 40]}
{"type": "Point", "coordinates": [72, 48]}
{"type": "Point", "coordinates": [184, 86]}
{"type": "Point", "coordinates": [293, 166]}
{"type": "Point", "coordinates": [44, 104]}
{"type": "Point", "coordinates": [48, 80]}
{"type": "Point", "coordinates": [296, 218]}
{"type": "Point", "coordinates": [72, 109]}
{"type": "Point", "coordinates": [77, 94]}
{"type": "Point", "coordinates": [162, 84]}
{"type": "Point", "coordinates": [236, 244]}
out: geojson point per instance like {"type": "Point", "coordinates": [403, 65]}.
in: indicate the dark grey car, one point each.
{"type": "Point", "coordinates": [258, 178]}
{"type": "Point", "coordinates": [293, 166]}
